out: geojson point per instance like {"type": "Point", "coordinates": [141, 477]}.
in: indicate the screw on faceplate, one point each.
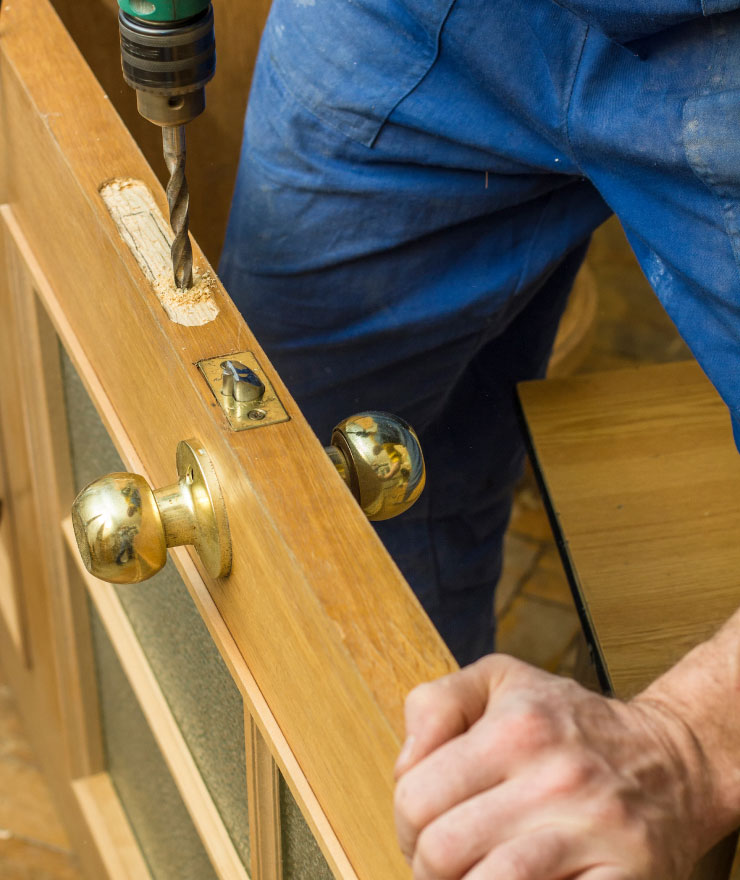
{"type": "Point", "coordinates": [256, 415]}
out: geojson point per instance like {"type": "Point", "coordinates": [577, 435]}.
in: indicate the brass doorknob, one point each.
{"type": "Point", "coordinates": [379, 457]}
{"type": "Point", "coordinates": [123, 528]}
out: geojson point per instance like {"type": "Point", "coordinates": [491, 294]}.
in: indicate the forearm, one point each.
{"type": "Point", "coordinates": [703, 691]}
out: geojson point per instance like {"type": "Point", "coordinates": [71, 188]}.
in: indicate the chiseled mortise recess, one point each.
{"type": "Point", "coordinates": [149, 237]}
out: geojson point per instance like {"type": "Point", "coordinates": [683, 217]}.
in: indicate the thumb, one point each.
{"type": "Point", "coordinates": [443, 709]}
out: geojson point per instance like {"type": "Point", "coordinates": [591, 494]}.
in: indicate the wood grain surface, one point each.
{"type": "Point", "coordinates": [643, 477]}
{"type": "Point", "coordinates": [327, 626]}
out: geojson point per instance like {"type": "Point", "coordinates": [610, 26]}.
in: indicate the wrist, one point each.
{"type": "Point", "coordinates": [685, 771]}
{"type": "Point", "coordinates": [693, 710]}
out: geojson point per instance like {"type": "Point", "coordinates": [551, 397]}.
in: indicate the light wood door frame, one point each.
{"type": "Point", "coordinates": [314, 605]}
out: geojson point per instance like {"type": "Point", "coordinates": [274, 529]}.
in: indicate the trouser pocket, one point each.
{"type": "Point", "coordinates": [350, 63]}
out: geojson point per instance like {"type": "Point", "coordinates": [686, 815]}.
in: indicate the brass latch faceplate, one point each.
{"type": "Point", "coordinates": [243, 391]}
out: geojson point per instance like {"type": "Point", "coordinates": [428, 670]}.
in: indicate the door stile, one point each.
{"type": "Point", "coordinates": [12, 608]}
{"type": "Point", "coordinates": [17, 516]}
{"type": "Point", "coordinates": [59, 708]}
{"type": "Point", "coordinates": [42, 402]}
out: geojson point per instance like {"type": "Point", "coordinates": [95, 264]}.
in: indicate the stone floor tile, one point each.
{"type": "Point", "coordinates": [24, 860]}
{"type": "Point", "coordinates": [520, 554]}
{"type": "Point", "coordinates": [13, 742]}
{"type": "Point", "coordinates": [537, 632]}
{"type": "Point", "coordinates": [547, 580]}
{"type": "Point", "coordinates": [528, 517]}
{"type": "Point", "coordinates": [26, 809]}
{"type": "Point", "coordinates": [567, 666]}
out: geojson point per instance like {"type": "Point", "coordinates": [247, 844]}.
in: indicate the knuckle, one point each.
{"type": "Point", "coordinates": [437, 851]}
{"type": "Point", "coordinates": [569, 773]}
{"type": "Point", "coordinates": [423, 697]}
{"type": "Point", "coordinates": [408, 805]}
{"type": "Point", "coordinates": [531, 859]}
{"type": "Point", "coordinates": [530, 728]}
{"type": "Point", "coordinates": [500, 665]}
{"type": "Point", "coordinates": [514, 864]}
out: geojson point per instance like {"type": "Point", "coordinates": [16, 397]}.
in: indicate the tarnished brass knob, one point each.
{"type": "Point", "coordinates": [123, 528]}
{"type": "Point", "coordinates": [379, 457]}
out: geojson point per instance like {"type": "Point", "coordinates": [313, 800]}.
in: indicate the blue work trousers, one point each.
{"type": "Point", "coordinates": [418, 184]}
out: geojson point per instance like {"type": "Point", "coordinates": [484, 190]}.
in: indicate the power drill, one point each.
{"type": "Point", "coordinates": [168, 54]}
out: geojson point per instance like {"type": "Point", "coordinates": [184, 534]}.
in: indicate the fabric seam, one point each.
{"type": "Point", "coordinates": [421, 78]}
{"type": "Point", "coordinates": [532, 240]}
{"type": "Point", "coordinates": [569, 100]}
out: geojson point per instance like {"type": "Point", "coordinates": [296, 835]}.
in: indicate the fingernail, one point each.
{"type": "Point", "coordinates": [405, 755]}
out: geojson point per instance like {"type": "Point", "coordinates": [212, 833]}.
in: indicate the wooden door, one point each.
{"type": "Point", "coordinates": [189, 726]}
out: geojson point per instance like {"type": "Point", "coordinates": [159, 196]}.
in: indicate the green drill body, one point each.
{"type": "Point", "coordinates": [168, 55]}
{"type": "Point", "coordinates": [163, 10]}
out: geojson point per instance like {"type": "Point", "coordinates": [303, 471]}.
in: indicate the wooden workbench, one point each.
{"type": "Point", "coordinates": [642, 480]}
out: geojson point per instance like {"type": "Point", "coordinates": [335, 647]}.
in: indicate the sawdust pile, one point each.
{"type": "Point", "coordinates": [192, 306]}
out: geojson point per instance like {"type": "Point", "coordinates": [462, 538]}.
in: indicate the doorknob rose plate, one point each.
{"type": "Point", "coordinates": [123, 528]}
{"type": "Point", "coordinates": [212, 538]}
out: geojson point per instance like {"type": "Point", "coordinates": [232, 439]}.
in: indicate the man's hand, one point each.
{"type": "Point", "coordinates": [509, 773]}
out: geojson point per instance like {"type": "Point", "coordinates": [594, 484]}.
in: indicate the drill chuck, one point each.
{"type": "Point", "coordinates": [169, 64]}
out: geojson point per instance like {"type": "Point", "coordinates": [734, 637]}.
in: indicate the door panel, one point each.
{"type": "Point", "coordinates": [301, 856]}
{"type": "Point", "coordinates": [318, 631]}
{"type": "Point", "coordinates": [154, 808]}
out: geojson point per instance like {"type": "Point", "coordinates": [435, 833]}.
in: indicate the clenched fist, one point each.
{"type": "Point", "coordinates": [509, 773]}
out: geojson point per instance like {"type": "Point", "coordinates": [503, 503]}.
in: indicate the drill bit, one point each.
{"type": "Point", "coordinates": [178, 198]}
